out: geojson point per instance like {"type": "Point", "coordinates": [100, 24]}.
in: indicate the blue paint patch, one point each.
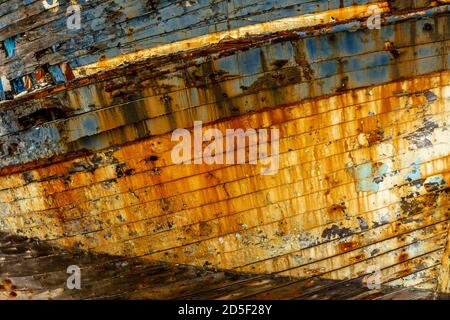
{"type": "Point", "coordinates": [282, 51]}
{"type": "Point", "coordinates": [2, 92]}
{"type": "Point", "coordinates": [369, 77]}
{"type": "Point", "coordinates": [351, 42]}
{"type": "Point", "coordinates": [367, 185]}
{"type": "Point", "coordinates": [381, 58]}
{"type": "Point", "coordinates": [368, 61]}
{"type": "Point", "coordinates": [250, 61]}
{"type": "Point", "coordinates": [311, 49]}
{"type": "Point", "coordinates": [314, 6]}
{"type": "Point", "coordinates": [430, 64]}
{"type": "Point", "coordinates": [379, 74]}
{"type": "Point", "coordinates": [325, 69]}
{"type": "Point", "coordinates": [57, 74]}
{"type": "Point", "coordinates": [354, 25]}
{"type": "Point", "coordinates": [90, 124]}
{"type": "Point", "coordinates": [364, 170]}
{"type": "Point", "coordinates": [436, 180]}
{"type": "Point", "coordinates": [362, 174]}
{"type": "Point", "coordinates": [383, 169]}
{"type": "Point", "coordinates": [367, 177]}
{"type": "Point", "coordinates": [427, 50]}
{"type": "Point", "coordinates": [228, 64]}
{"type": "Point", "coordinates": [18, 85]}
{"type": "Point", "coordinates": [414, 174]}
{"type": "Point", "coordinates": [38, 134]}
{"type": "Point", "coordinates": [387, 32]}
{"type": "Point", "coordinates": [10, 46]}
{"type": "Point", "coordinates": [325, 46]}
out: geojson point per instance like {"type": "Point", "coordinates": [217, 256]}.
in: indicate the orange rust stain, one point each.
{"type": "Point", "coordinates": [404, 272]}
{"type": "Point", "coordinates": [336, 209]}
{"type": "Point", "coordinates": [12, 295]}
{"type": "Point", "coordinates": [357, 258]}
{"type": "Point", "coordinates": [403, 257]}
{"type": "Point", "coordinates": [7, 285]}
{"type": "Point", "coordinates": [310, 282]}
{"type": "Point", "coordinates": [347, 246]}
{"type": "Point", "coordinates": [375, 136]}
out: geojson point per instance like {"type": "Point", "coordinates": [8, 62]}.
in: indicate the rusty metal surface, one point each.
{"type": "Point", "coordinates": [364, 153]}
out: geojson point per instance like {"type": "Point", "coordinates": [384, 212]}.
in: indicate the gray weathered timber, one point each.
{"type": "Point", "coordinates": [30, 269]}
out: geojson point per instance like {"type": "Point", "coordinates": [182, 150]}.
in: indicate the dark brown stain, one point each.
{"type": "Point", "coordinates": [152, 158]}
{"type": "Point", "coordinates": [403, 257]}
{"type": "Point", "coordinates": [277, 78]}
{"type": "Point", "coordinates": [300, 58]}
{"type": "Point", "coordinates": [420, 137]}
{"type": "Point", "coordinates": [40, 116]}
{"type": "Point", "coordinates": [122, 170]}
{"type": "Point", "coordinates": [336, 232]}
{"type": "Point", "coordinates": [391, 48]}
{"type": "Point", "coordinates": [413, 203]}
{"type": "Point", "coordinates": [375, 136]}
{"type": "Point", "coordinates": [205, 229]}
{"type": "Point", "coordinates": [336, 211]}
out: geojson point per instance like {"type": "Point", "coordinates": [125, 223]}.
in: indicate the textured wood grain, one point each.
{"type": "Point", "coordinates": [41, 274]}
{"type": "Point", "coordinates": [296, 223]}
{"type": "Point", "coordinates": [363, 164]}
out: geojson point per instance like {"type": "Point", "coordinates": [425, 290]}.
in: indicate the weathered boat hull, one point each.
{"type": "Point", "coordinates": [362, 182]}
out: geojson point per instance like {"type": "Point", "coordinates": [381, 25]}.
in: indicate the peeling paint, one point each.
{"type": "Point", "coordinates": [364, 142]}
